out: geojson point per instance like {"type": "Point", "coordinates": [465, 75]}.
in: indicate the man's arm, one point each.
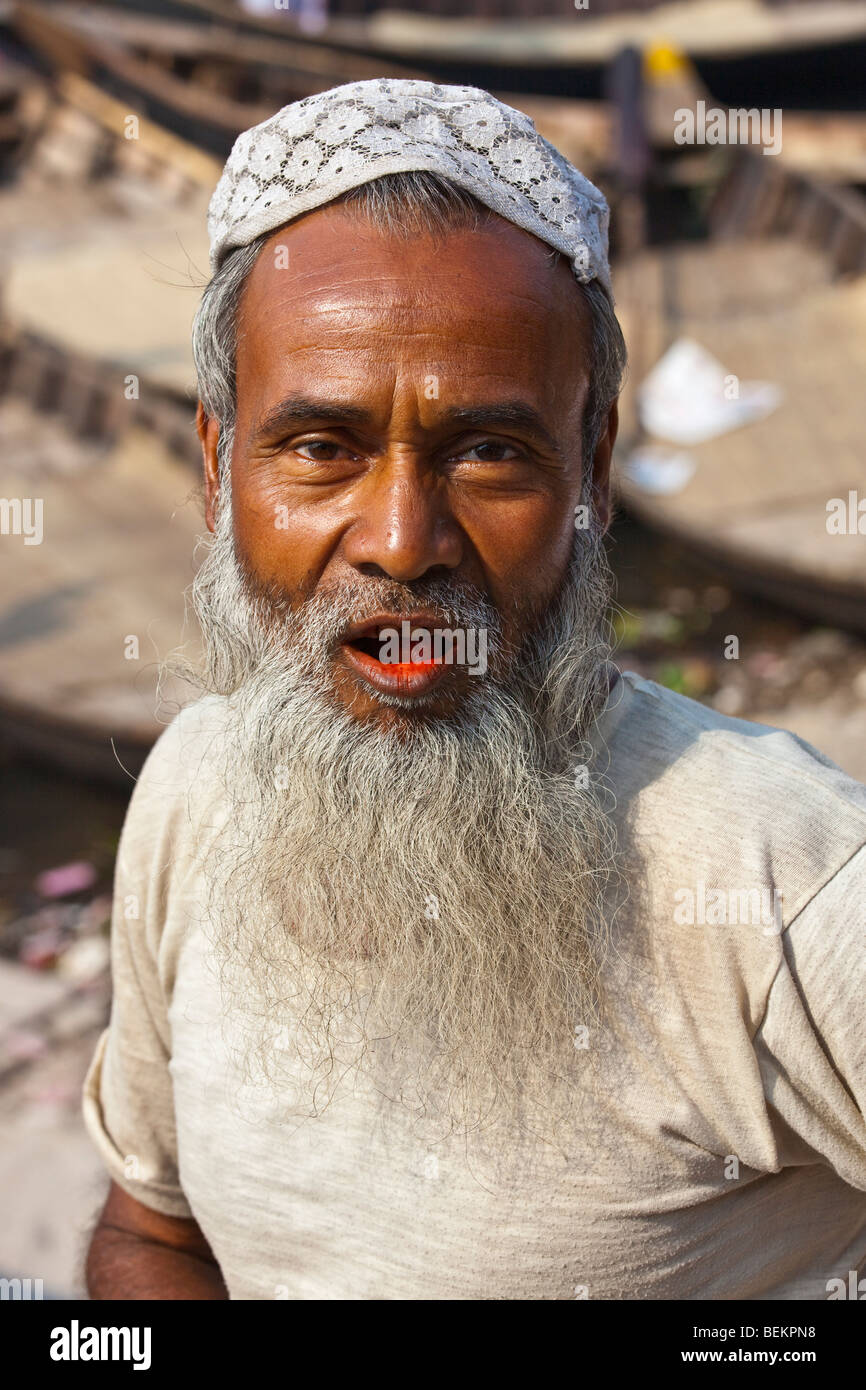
{"type": "Point", "coordinates": [138, 1253]}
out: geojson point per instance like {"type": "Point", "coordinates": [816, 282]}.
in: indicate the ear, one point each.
{"type": "Point", "coordinates": [601, 467]}
{"type": "Point", "coordinates": [208, 431]}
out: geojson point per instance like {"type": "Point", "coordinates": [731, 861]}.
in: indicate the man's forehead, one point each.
{"type": "Point", "coordinates": [332, 274]}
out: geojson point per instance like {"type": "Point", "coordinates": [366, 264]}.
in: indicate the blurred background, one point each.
{"type": "Point", "coordinates": [739, 268]}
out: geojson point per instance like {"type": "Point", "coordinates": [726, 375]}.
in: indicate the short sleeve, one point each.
{"type": "Point", "coordinates": [811, 1045]}
{"type": "Point", "coordinates": [128, 1101]}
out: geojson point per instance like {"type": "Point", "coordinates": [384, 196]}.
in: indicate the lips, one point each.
{"type": "Point", "coordinates": [363, 648]}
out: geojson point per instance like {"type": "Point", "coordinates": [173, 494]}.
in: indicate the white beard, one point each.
{"type": "Point", "coordinates": [422, 898]}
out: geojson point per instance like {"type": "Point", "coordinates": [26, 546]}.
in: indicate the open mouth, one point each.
{"type": "Point", "coordinates": [373, 645]}
{"type": "Point", "coordinates": [397, 654]}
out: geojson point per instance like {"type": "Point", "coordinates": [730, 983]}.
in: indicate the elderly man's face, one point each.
{"type": "Point", "coordinates": [408, 411]}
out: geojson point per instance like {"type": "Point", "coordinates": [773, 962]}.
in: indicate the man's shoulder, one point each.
{"type": "Point", "coordinates": [731, 788]}
{"type": "Point", "coordinates": [182, 768]}
{"type": "Point", "coordinates": [681, 736]}
{"type": "Point", "coordinates": [193, 734]}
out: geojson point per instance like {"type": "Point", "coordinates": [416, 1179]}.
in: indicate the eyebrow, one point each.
{"type": "Point", "coordinates": [507, 414]}
{"type": "Point", "coordinates": [294, 411]}
{"type": "Point", "coordinates": [300, 410]}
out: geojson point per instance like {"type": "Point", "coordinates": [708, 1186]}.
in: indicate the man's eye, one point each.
{"type": "Point", "coordinates": [491, 451]}
{"type": "Point", "coordinates": [320, 450]}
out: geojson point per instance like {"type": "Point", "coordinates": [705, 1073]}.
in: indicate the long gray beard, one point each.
{"type": "Point", "coordinates": [419, 899]}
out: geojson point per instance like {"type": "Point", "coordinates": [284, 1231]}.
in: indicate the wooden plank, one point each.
{"type": "Point", "coordinates": [826, 145]}
{"type": "Point", "coordinates": [284, 49]}
{"type": "Point", "coordinates": [581, 130]}
{"type": "Point", "coordinates": [701, 28]}
{"type": "Point", "coordinates": [112, 115]}
{"type": "Point", "coordinates": [97, 35]}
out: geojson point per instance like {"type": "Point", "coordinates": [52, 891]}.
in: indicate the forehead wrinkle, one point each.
{"type": "Point", "coordinates": [417, 330]}
{"type": "Point", "coordinates": [337, 328]}
{"type": "Point", "coordinates": [413, 297]}
{"type": "Point", "coordinates": [323, 289]}
{"type": "Point", "coordinates": [469, 372]}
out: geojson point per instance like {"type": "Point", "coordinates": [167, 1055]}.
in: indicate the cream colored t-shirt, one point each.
{"type": "Point", "coordinates": [719, 1144]}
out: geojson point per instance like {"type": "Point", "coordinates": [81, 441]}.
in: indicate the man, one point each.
{"type": "Point", "coordinates": [448, 962]}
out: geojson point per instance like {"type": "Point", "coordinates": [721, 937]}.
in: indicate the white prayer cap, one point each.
{"type": "Point", "coordinates": [316, 149]}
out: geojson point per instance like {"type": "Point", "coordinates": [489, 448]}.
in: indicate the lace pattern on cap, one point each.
{"type": "Point", "coordinates": [313, 150]}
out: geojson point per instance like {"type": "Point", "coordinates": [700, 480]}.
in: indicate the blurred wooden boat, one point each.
{"type": "Point", "coordinates": [776, 51]}
{"type": "Point", "coordinates": [778, 293]}
{"type": "Point", "coordinates": [207, 84]}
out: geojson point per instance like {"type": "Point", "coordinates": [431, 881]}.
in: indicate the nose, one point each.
{"type": "Point", "coordinates": [404, 527]}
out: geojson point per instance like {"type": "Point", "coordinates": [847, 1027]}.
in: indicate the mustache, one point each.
{"type": "Point", "coordinates": [549, 654]}
{"type": "Point", "coordinates": [330, 612]}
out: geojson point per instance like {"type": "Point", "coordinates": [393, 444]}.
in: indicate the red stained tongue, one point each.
{"type": "Point", "coordinates": [378, 648]}
{"type": "Point", "coordinates": [373, 644]}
